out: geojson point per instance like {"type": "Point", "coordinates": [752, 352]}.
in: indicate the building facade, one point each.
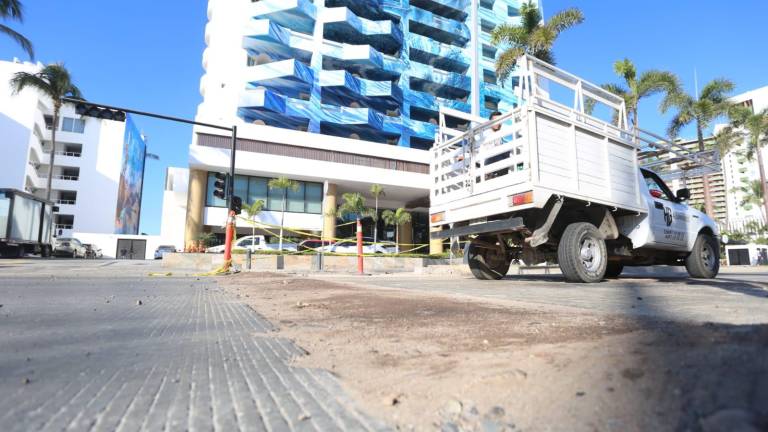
{"type": "Point", "coordinates": [95, 184]}
{"type": "Point", "coordinates": [739, 170]}
{"type": "Point", "coordinates": [338, 95]}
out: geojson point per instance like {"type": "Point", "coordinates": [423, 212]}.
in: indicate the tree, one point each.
{"type": "Point", "coordinates": [634, 88]}
{"type": "Point", "coordinates": [755, 125]}
{"type": "Point", "coordinates": [55, 82]}
{"type": "Point", "coordinates": [532, 36]}
{"type": "Point", "coordinates": [377, 191]}
{"type": "Point", "coordinates": [13, 10]}
{"type": "Point", "coordinates": [396, 218]}
{"type": "Point", "coordinates": [252, 211]}
{"type": "Point", "coordinates": [752, 193]}
{"type": "Point", "coordinates": [353, 205]}
{"type": "Point", "coordinates": [701, 109]}
{"type": "Point", "coordinates": [283, 183]}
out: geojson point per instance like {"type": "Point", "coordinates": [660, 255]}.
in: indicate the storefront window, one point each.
{"type": "Point", "coordinates": [308, 198]}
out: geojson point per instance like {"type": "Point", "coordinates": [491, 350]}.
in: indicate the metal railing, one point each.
{"type": "Point", "coordinates": [63, 227]}
{"type": "Point", "coordinates": [65, 202]}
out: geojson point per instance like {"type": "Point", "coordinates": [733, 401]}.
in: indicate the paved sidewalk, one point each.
{"type": "Point", "coordinates": [79, 353]}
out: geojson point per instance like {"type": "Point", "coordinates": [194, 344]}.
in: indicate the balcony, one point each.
{"type": "Point", "coordinates": [268, 41]}
{"type": "Point", "coordinates": [341, 88]}
{"type": "Point", "coordinates": [363, 60]}
{"type": "Point", "coordinates": [288, 77]}
{"type": "Point", "coordinates": [442, 56]}
{"type": "Point", "coordinates": [441, 29]}
{"type": "Point", "coordinates": [342, 25]}
{"type": "Point", "coordinates": [452, 9]}
{"type": "Point", "coordinates": [439, 83]}
{"type": "Point", "coordinates": [369, 9]}
{"type": "Point", "coordinates": [297, 15]}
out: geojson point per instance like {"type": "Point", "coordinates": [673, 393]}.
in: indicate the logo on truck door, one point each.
{"type": "Point", "coordinates": [668, 216]}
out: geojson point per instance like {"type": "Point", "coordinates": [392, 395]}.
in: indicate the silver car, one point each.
{"type": "Point", "coordinates": [69, 247]}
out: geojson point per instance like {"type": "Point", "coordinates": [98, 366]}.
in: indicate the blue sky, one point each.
{"type": "Point", "coordinates": [147, 54]}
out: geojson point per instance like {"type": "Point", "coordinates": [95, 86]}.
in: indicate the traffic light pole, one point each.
{"type": "Point", "coordinates": [95, 108]}
{"type": "Point", "coordinates": [230, 231]}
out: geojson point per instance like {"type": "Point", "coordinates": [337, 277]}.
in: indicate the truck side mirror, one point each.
{"type": "Point", "coordinates": [684, 194]}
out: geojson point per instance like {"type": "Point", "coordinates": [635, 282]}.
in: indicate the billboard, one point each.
{"type": "Point", "coordinates": [131, 178]}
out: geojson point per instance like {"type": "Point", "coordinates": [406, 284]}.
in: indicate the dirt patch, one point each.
{"type": "Point", "coordinates": [426, 362]}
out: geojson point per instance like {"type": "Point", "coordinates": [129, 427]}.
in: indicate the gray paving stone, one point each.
{"type": "Point", "coordinates": [189, 358]}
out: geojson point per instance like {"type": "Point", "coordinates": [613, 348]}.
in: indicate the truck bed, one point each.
{"type": "Point", "coordinates": [543, 147]}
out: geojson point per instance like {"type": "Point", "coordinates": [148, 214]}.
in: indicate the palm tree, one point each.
{"type": "Point", "coordinates": [532, 36]}
{"type": "Point", "coordinates": [252, 211]}
{"type": "Point", "coordinates": [377, 191]}
{"type": "Point", "coordinates": [634, 88]}
{"type": "Point", "coordinates": [12, 9]}
{"type": "Point", "coordinates": [752, 194]}
{"type": "Point", "coordinates": [283, 183]}
{"type": "Point", "coordinates": [712, 102]}
{"type": "Point", "coordinates": [353, 205]}
{"type": "Point", "coordinates": [756, 125]}
{"type": "Point", "coordinates": [396, 218]}
{"type": "Point", "coordinates": [55, 82]}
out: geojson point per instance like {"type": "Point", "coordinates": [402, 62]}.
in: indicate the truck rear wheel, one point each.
{"type": "Point", "coordinates": [704, 260]}
{"type": "Point", "coordinates": [582, 254]}
{"type": "Point", "coordinates": [487, 259]}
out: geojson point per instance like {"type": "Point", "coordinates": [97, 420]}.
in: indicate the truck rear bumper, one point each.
{"type": "Point", "coordinates": [504, 225]}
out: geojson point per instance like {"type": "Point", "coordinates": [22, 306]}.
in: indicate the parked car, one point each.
{"type": "Point", "coordinates": [349, 246]}
{"type": "Point", "coordinates": [164, 249]}
{"type": "Point", "coordinates": [254, 243]}
{"type": "Point", "coordinates": [92, 251]}
{"type": "Point", "coordinates": [69, 247]}
{"type": "Point", "coordinates": [313, 244]}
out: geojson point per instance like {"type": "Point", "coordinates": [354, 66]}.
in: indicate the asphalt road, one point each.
{"type": "Point", "coordinates": [100, 345]}
{"type": "Point", "coordinates": [737, 296]}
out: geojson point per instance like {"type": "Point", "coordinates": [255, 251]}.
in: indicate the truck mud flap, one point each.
{"type": "Point", "coordinates": [504, 225]}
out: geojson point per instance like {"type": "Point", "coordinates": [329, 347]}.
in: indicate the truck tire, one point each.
{"type": "Point", "coordinates": [614, 269]}
{"type": "Point", "coordinates": [45, 251]}
{"type": "Point", "coordinates": [704, 260]}
{"type": "Point", "coordinates": [582, 254]}
{"type": "Point", "coordinates": [487, 263]}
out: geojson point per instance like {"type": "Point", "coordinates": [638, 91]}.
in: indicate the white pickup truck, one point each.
{"type": "Point", "coordinates": [564, 182]}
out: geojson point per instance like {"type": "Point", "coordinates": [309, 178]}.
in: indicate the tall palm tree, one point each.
{"type": "Point", "coordinates": [636, 87]}
{"type": "Point", "coordinates": [353, 205]}
{"type": "Point", "coordinates": [396, 218]}
{"type": "Point", "coordinates": [756, 126]}
{"type": "Point", "coordinates": [532, 36]}
{"type": "Point", "coordinates": [253, 210]}
{"type": "Point", "coordinates": [377, 191]}
{"type": "Point", "coordinates": [13, 10]}
{"type": "Point", "coordinates": [283, 183]}
{"type": "Point", "coordinates": [701, 109]}
{"type": "Point", "coordinates": [55, 82]}
{"type": "Point", "coordinates": [752, 193]}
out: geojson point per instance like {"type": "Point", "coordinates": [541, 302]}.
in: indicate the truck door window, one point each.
{"type": "Point", "coordinates": [656, 187]}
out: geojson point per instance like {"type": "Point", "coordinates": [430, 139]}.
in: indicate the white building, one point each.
{"type": "Point", "coordinates": [92, 159]}
{"type": "Point", "coordinates": [738, 169]}
{"type": "Point", "coordinates": [338, 96]}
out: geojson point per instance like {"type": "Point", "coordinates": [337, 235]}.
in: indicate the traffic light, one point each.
{"type": "Point", "coordinates": [237, 205]}
{"type": "Point", "coordinates": [90, 110]}
{"type": "Point", "coordinates": [220, 186]}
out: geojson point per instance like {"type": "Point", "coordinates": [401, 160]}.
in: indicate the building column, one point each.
{"type": "Point", "coordinates": [406, 237]}
{"type": "Point", "coordinates": [329, 212]}
{"type": "Point", "coordinates": [435, 246]}
{"type": "Point", "coordinates": [198, 180]}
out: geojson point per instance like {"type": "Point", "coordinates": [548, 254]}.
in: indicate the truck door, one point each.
{"type": "Point", "coordinates": [669, 218]}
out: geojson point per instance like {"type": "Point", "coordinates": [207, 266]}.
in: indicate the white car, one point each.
{"type": "Point", "coordinates": [254, 243]}
{"type": "Point", "coordinates": [349, 246]}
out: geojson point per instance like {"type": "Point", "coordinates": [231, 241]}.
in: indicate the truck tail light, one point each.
{"type": "Point", "coordinates": [437, 217]}
{"type": "Point", "coordinates": [521, 198]}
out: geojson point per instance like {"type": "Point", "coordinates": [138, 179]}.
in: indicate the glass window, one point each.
{"type": "Point", "coordinates": [296, 199]}
{"type": "Point", "coordinates": [656, 187]}
{"type": "Point", "coordinates": [79, 126]}
{"type": "Point", "coordinates": [275, 200]}
{"type": "Point", "coordinates": [241, 187]}
{"type": "Point", "coordinates": [211, 200]}
{"type": "Point", "coordinates": [66, 124]}
{"type": "Point", "coordinates": [257, 190]}
{"type": "Point", "coordinates": [314, 198]}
